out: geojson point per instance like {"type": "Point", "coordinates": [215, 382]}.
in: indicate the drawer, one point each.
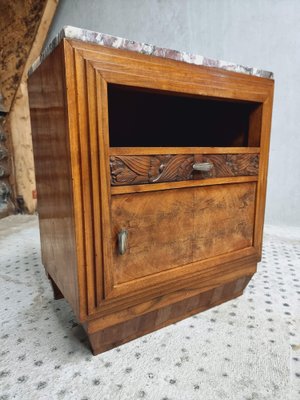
{"type": "Point", "coordinates": [169, 230]}
{"type": "Point", "coordinates": [142, 169]}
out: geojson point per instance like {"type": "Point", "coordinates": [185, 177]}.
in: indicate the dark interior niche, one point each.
{"type": "Point", "coordinates": [150, 118]}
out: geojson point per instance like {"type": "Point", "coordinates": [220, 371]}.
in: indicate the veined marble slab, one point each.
{"type": "Point", "coordinates": [115, 42]}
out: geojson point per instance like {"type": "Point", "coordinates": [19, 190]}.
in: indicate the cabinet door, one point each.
{"type": "Point", "coordinates": [170, 230]}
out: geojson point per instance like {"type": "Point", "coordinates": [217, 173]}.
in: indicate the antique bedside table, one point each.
{"type": "Point", "coordinates": [151, 170]}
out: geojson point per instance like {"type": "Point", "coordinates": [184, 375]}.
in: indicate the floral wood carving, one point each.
{"type": "Point", "coordinates": [229, 165]}
{"type": "Point", "coordinates": [133, 170]}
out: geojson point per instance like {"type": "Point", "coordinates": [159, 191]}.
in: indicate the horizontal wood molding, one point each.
{"type": "Point", "coordinates": [125, 67]}
{"type": "Point", "coordinates": [203, 280]}
{"type": "Point", "coordinates": [139, 79]}
{"type": "Point", "coordinates": [128, 151]}
{"type": "Point", "coordinates": [182, 184]}
{"type": "Point", "coordinates": [93, 51]}
{"type": "Point", "coordinates": [180, 272]}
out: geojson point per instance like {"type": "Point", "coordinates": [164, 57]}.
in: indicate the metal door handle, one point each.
{"type": "Point", "coordinates": [122, 241]}
{"type": "Point", "coordinates": [203, 166]}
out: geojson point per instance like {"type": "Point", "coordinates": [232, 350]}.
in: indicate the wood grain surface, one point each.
{"type": "Point", "coordinates": [139, 325]}
{"type": "Point", "coordinates": [177, 227]}
{"type": "Point", "coordinates": [48, 111]}
{"type": "Point", "coordinates": [193, 241]}
{"type": "Point", "coordinates": [134, 151]}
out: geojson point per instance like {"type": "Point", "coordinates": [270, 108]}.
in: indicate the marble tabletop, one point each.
{"type": "Point", "coordinates": [106, 40]}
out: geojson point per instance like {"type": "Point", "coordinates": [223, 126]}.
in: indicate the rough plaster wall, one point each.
{"type": "Point", "coordinates": [261, 33]}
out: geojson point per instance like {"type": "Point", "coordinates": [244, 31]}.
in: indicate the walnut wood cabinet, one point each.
{"type": "Point", "coordinates": [151, 180]}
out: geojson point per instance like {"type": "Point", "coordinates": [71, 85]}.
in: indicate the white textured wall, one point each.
{"type": "Point", "coordinates": [261, 33]}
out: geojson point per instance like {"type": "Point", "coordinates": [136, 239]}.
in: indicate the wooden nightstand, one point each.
{"type": "Point", "coordinates": [151, 180]}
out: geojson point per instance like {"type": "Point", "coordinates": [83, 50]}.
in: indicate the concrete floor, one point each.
{"type": "Point", "coordinates": [248, 348]}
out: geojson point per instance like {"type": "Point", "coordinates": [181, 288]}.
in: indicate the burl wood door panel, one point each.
{"type": "Point", "coordinates": [173, 228]}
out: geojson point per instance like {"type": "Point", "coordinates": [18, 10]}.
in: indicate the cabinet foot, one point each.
{"type": "Point", "coordinates": [115, 335]}
{"type": "Point", "coordinates": [57, 294]}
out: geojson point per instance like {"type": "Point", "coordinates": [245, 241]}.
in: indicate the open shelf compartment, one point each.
{"type": "Point", "coordinates": [140, 117]}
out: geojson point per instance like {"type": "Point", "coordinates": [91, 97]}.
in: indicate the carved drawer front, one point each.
{"type": "Point", "coordinates": [162, 230]}
{"type": "Point", "coordinates": [140, 169]}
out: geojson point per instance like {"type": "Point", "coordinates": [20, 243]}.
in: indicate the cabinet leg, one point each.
{"type": "Point", "coordinates": [57, 294]}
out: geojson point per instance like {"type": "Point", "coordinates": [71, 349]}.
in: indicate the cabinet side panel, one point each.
{"type": "Point", "coordinates": [48, 110]}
